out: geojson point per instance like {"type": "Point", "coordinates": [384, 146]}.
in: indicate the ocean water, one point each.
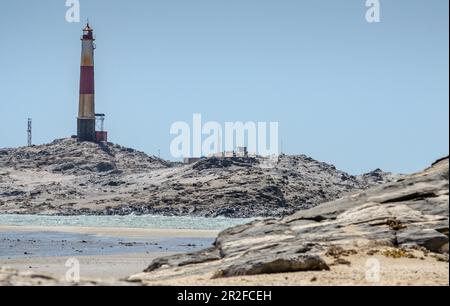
{"type": "Point", "coordinates": [145, 222]}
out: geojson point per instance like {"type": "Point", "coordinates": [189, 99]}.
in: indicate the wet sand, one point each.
{"type": "Point", "coordinates": [102, 252]}
{"type": "Point", "coordinates": [115, 232]}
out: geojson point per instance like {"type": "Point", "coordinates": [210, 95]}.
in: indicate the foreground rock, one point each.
{"type": "Point", "coordinates": [71, 178]}
{"type": "Point", "coordinates": [11, 277]}
{"type": "Point", "coordinates": [410, 213]}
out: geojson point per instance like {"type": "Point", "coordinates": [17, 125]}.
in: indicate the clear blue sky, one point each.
{"type": "Point", "coordinates": [354, 94]}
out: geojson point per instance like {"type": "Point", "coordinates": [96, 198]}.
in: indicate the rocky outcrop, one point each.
{"type": "Point", "coordinates": [410, 213]}
{"type": "Point", "coordinates": [71, 178]}
{"type": "Point", "coordinates": [68, 156]}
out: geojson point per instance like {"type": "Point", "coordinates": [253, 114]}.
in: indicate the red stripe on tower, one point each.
{"type": "Point", "coordinates": [87, 80]}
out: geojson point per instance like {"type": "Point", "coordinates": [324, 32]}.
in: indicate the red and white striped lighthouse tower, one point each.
{"type": "Point", "coordinates": [86, 110]}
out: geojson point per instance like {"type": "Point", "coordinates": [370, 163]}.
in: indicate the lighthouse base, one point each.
{"type": "Point", "coordinates": [86, 130]}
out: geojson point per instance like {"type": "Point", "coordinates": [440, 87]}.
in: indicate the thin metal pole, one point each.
{"type": "Point", "coordinates": [30, 142]}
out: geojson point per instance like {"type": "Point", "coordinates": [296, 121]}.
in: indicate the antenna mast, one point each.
{"type": "Point", "coordinates": [29, 130]}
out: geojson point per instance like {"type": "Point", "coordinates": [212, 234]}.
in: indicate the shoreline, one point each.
{"type": "Point", "coordinates": [114, 232]}
{"type": "Point", "coordinates": [103, 253]}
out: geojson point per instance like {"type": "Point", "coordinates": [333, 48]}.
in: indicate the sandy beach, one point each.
{"type": "Point", "coordinates": [120, 253]}
{"type": "Point", "coordinates": [423, 271]}
{"type": "Point", "coordinates": [107, 267]}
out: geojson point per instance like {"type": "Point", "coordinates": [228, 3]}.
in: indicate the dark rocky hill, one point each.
{"type": "Point", "coordinates": [67, 177]}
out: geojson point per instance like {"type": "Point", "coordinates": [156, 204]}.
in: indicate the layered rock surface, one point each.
{"type": "Point", "coordinates": [71, 178]}
{"type": "Point", "coordinates": [410, 213]}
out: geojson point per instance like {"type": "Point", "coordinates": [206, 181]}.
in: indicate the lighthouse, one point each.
{"type": "Point", "coordinates": [86, 109]}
